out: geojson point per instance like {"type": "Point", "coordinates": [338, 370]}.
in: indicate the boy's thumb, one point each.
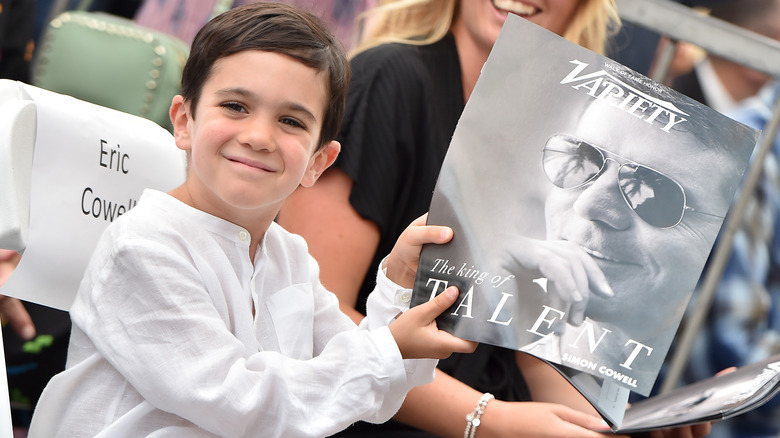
{"type": "Point", "coordinates": [442, 302]}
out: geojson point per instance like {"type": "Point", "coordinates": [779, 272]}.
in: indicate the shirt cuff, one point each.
{"type": "Point", "coordinates": [387, 300]}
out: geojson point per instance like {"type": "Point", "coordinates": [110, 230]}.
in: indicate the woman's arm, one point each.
{"type": "Point", "coordinates": [342, 242]}
{"type": "Point", "coordinates": [547, 385]}
{"type": "Point", "coordinates": [440, 407]}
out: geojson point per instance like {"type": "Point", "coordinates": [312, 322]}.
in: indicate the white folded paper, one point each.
{"type": "Point", "coordinates": [68, 168]}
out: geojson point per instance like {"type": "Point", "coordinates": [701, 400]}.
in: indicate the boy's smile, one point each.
{"type": "Point", "coordinates": [252, 138]}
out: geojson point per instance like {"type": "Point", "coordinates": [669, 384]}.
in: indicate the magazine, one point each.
{"type": "Point", "coordinates": [585, 200]}
{"type": "Point", "coordinates": [717, 398]}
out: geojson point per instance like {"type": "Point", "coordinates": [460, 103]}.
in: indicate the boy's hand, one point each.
{"type": "Point", "coordinates": [403, 259]}
{"type": "Point", "coordinates": [416, 333]}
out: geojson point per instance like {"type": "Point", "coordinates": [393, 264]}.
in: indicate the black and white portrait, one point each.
{"type": "Point", "coordinates": [585, 201]}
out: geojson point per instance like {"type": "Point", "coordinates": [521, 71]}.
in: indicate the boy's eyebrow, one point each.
{"type": "Point", "coordinates": [295, 106]}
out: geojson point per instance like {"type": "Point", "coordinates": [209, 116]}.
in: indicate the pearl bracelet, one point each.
{"type": "Point", "coordinates": [473, 418]}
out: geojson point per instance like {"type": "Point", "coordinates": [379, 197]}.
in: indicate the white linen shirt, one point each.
{"type": "Point", "coordinates": [164, 343]}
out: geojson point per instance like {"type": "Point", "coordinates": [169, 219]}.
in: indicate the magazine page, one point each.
{"type": "Point", "coordinates": [716, 398]}
{"type": "Point", "coordinates": [585, 199]}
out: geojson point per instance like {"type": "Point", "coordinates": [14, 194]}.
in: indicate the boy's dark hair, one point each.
{"type": "Point", "coordinates": [278, 28]}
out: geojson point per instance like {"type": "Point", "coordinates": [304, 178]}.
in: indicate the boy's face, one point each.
{"type": "Point", "coordinates": [253, 139]}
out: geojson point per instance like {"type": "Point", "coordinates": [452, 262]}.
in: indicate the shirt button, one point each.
{"type": "Point", "coordinates": [406, 297]}
{"type": "Point", "coordinates": [243, 235]}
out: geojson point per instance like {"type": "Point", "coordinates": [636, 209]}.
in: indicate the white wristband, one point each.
{"type": "Point", "coordinates": [473, 418]}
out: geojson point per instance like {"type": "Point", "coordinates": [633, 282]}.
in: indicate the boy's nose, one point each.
{"type": "Point", "coordinates": [601, 200]}
{"type": "Point", "coordinates": [258, 134]}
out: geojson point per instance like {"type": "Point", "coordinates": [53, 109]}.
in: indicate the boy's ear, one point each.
{"type": "Point", "coordinates": [179, 113]}
{"type": "Point", "coordinates": [319, 162]}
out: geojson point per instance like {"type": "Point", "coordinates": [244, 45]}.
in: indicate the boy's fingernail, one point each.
{"type": "Point", "coordinates": [452, 292]}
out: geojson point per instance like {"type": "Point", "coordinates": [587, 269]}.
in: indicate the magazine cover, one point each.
{"type": "Point", "coordinates": [585, 199]}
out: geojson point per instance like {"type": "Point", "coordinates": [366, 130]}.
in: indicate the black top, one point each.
{"type": "Point", "coordinates": [402, 108]}
{"type": "Point", "coordinates": [403, 104]}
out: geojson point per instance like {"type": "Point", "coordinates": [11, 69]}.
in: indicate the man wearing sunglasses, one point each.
{"type": "Point", "coordinates": [585, 204]}
{"type": "Point", "coordinates": [629, 227]}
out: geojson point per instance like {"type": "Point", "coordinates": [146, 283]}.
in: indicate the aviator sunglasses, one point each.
{"type": "Point", "coordinates": [657, 199]}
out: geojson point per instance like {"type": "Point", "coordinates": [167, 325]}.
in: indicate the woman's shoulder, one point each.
{"type": "Point", "coordinates": [401, 60]}
{"type": "Point", "coordinates": [390, 60]}
{"type": "Point", "coordinates": [387, 52]}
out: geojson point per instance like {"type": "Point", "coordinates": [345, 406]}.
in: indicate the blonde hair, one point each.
{"type": "Point", "coordinates": [426, 21]}
{"type": "Point", "coordinates": [593, 22]}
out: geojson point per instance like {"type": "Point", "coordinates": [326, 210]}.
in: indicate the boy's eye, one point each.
{"type": "Point", "coordinates": [234, 106]}
{"type": "Point", "coordinates": [292, 122]}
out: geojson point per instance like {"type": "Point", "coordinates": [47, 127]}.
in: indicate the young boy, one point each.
{"type": "Point", "coordinates": [198, 315]}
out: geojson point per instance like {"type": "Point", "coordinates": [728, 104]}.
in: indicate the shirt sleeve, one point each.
{"type": "Point", "coordinates": [149, 315]}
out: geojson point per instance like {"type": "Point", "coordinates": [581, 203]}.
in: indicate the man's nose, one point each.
{"type": "Point", "coordinates": [601, 200]}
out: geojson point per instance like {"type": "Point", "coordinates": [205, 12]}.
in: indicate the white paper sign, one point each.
{"type": "Point", "coordinates": [90, 166]}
